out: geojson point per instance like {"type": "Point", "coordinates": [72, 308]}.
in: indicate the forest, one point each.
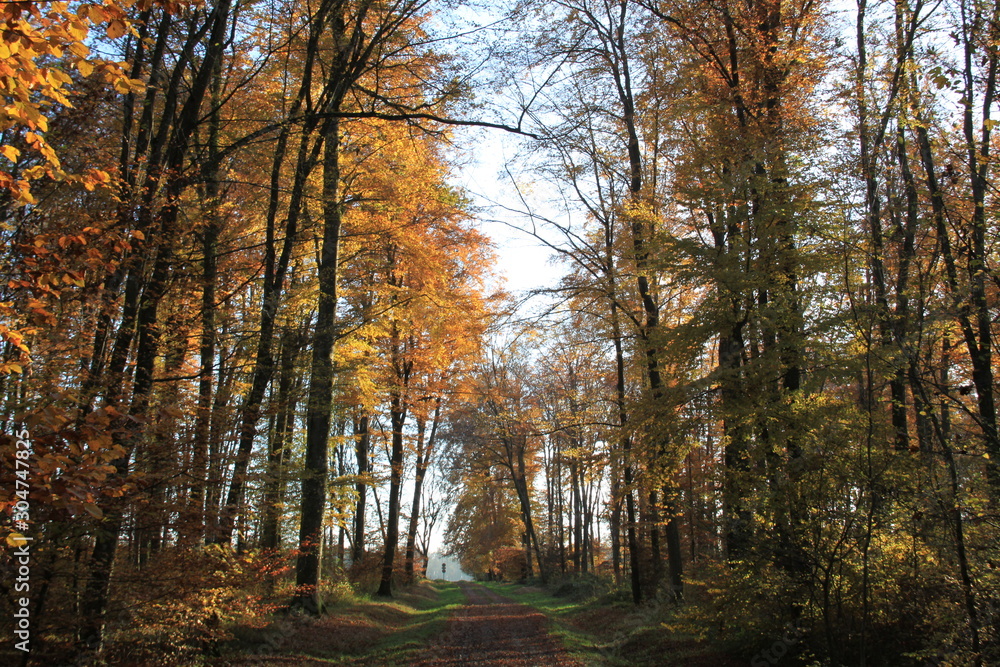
{"type": "Point", "coordinates": [258, 356]}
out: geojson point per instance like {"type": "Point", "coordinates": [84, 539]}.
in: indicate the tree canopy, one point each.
{"type": "Point", "coordinates": [256, 343]}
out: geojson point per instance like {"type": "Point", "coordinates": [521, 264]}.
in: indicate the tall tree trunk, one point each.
{"type": "Point", "coordinates": [615, 526]}
{"type": "Point", "coordinates": [280, 442]}
{"type": "Point", "coordinates": [275, 270]}
{"type": "Point", "coordinates": [561, 503]}
{"type": "Point", "coordinates": [397, 416]}
{"type": "Point", "coordinates": [674, 556]}
{"type": "Point", "coordinates": [640, 235]}
{"type": "Point", "coordinates": [276, 264]}
{"type": "Point", "coordinates": [517, 470]}
{"type": "Point", "coordinates": [625, 444]}
{"type": "Point", "coordinates": [106, 541]}
{"type": "Point", "coordinates": [424, 454]}
{"type": "Point", "coordinates": [576, 515]}
{"type": "Point", "coordinates": [219, 424]}
{"type": "Point", "coordinates": [195, 524]}
{"type": "Point", "coordinates": [314, 479]}
{"type": "Point", "coordinates": [978, 333]}
{"type": "Point", "coordinates": [411, 532]}
{"type": "Point", "coordinates": [362, 441]}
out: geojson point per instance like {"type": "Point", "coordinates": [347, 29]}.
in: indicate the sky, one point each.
{"type": "Point", "coordinates": [522, 260]}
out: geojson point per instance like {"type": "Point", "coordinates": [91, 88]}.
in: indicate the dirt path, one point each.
{"type": "Point", "coordinates": [493, 631]}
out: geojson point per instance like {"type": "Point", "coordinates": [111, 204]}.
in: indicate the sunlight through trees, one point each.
{"type": "Point", "coordinates": [257, 352]}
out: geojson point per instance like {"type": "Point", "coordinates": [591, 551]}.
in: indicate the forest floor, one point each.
{"type": "Point", "coordinates": [441, 624]}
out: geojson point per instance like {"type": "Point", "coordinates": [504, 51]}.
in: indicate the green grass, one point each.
{"type": "Point", "coordinates": [426, 618]}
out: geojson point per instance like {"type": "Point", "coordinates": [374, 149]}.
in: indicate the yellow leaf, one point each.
{"type": "Point", "coordinates": [10, 153]}
{"type": "Point", "coordinates": [96, 14]}
{"type": "Point", "coordinates": [59, 78]}
{"type": "Point", "coordinates": [77, 30]}
{"type": "Point", "coordinates": [23, 193]}
{"type": "Point", "coordinates": [16, 540]}
{"type": "Point", "coordinates": [84, 67]}
{"type": "Point", "coordinates": [15, 368]}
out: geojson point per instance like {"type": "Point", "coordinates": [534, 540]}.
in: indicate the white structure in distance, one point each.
{"type": "Point", "coordinates": [451, 570]}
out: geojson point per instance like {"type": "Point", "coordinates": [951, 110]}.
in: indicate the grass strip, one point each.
{"type": "Point", "coordinates": [426, 618]}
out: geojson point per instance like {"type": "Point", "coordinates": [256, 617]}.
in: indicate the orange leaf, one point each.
{"type": "Point", "coordinates": [116, 29]}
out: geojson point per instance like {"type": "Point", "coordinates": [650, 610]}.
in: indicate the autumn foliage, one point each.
{"type": "Point", "coordinates": [258, 353]}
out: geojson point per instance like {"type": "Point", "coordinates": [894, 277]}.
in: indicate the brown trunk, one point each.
{"type": "Point", "coordinates": [362, 441]}
{"type": "Point", "coordinates": [321, 376]}
{"type": "Point", "coordinates": [195, 525]}
{"type": "Point", "coordinates": [280, 441]}
{"type": "Point", "coordinates": [424, 454]}
{"type": "Point", "coordinates": [274, 275]}
{"type": "Point", "coordinates": [397, 418]}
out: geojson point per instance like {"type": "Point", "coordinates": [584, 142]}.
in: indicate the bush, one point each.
{"type": "Point", "coordinates": [187, 602]}
{"type": "Point", "coordinates": [580, 587]}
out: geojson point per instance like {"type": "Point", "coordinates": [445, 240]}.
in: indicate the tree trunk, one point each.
{"type": "Point", "coordinates": [423, 461]}
{"type": "Point", "coordinates": [411, 533]}
{"type": "Point", "coordinates": [397, 418]}
{"type": "Point", "coordinates": [314, 479]}
{"type": "Point", "coordinates": [362, 441]}
{"type": "Point", "coordinates": [517, 469]}
{"type": "Point", "coordinates": [279, 446]}
{"type": "Point", "coordinates": [978, 333]}
{"type": "Point", "coordinates": [274, 275]}
{"type": "Point", "coordinates": [195, 524]}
